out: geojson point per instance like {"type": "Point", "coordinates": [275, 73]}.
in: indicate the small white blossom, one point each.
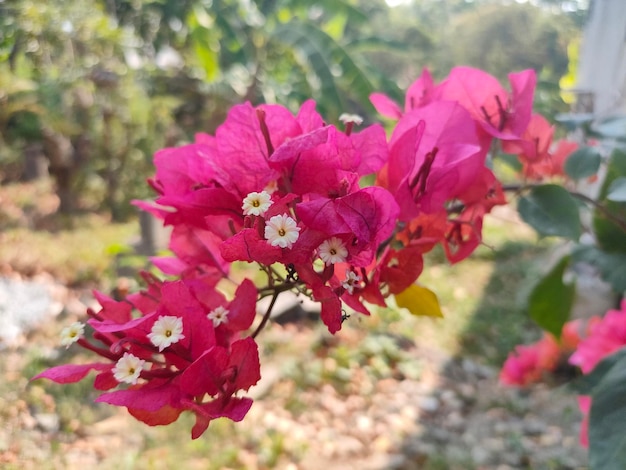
{"type": "Point", "coordinates": [166, 330]}
{"type": "Point", "coordinates": [128, 368]}
{"type": "Point", "coordinates": [355, 118]}
{"type": "Point", "coordinates": [72, 333]}
{"type": "Point", "coordinates": [352, 281]}
{"type": "Point", "coordinates": [282, 231]}
{"type": "Point", "coordinates": [333, 251]}
{"type": "Point", "coordinates": [256, 203]}
{"type": "Point", "coordinates": [218, 316]}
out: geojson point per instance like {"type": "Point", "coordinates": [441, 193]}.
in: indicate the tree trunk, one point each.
{"type": "Point", "coordinates": [63, 168]}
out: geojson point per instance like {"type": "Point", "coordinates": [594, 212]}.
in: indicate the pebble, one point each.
{"type": "Point", "coordinates": [48, 422]}
{"type": "Point", "coordinates": [428, 404]}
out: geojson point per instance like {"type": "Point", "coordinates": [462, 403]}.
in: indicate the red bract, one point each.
{"type": "Point", "coordinates": [553, 162]}
{"type": "Point", "coordinates": [534, 142]}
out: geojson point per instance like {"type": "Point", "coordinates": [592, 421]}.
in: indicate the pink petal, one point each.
{"type": "Point", "coordinates": [145, 397]}
{"type": "Point", "coordinates": [70, 373]}
{"type": "Point", "coordinates": [204, 374]}
{"type": "Point", "coordinates": [242, 309]}
{"type": "Point", "coordinates": [248, 246]}
{"type": "Point", "coordinates": [244, 356]}
{"type": "Point", "coordinates": [385, 106]}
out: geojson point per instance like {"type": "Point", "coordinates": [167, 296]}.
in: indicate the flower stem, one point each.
{"type": "Point", "coordinates": [266, 317]}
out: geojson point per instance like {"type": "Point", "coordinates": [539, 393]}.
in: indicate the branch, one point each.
{"type": "Point", "coordinates": [266, 317]}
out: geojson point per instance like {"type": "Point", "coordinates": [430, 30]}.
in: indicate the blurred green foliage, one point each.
{"type": "Point", "coordinates": [93, 88]}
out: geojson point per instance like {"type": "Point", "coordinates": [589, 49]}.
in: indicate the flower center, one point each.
{"type": "Point", "coordinates": [282, 232]}
{"type": "Point", "coordinates": [168, 333]}
{"type": "Point", "coordinates": [333, 251]}
{"type": "Point", "coordinates": [256, 203]}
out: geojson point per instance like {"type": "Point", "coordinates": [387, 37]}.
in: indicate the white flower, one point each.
{"type": "Point", "coordinates": [165, 331]}
{"type": "Point", "coordinates": [128, 368]}
{"type": "Point", "coordinates": [352, 281]}
{"type": "Point", "coordinates": [355, 118]}
{"type": "Point", "coordinates": [282, 231]}
{"type": "Point", "coordinates": [256, 203]}
{"type": "Point", "coordinates": [71, 334]}
{"type": "Point", "coordinates": [218, 316]}
{"type": "Point", "coordinates": [333, 251]}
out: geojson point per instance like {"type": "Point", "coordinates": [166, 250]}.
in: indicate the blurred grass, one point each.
{"type": "Point", "coordinates": [75, 257]}
{"type": "Point", "coordinates": [76, 251]}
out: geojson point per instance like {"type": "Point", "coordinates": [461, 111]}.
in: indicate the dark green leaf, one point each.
{"type": "Point", "coordinates": [610, 235]}
{"type": "Point", "coordinates": [551, 299]}
{"type": "Point", "coordinates": [611, 266]}
{"type": "Point", "coordinates": [587, 383]}
{"type": "Point", "coordinates": [551, 211]}
{"type": "Point", "coordinates": [583, 163]}
{"type": "Point", "coordinates": [607, 433]}
{"type": "Point", "coordinates": [617, 190]}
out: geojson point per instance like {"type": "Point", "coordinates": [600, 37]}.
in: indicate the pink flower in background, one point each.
{"type": "Point", "coordinates": [605, 337]}
{"type": "Point", "coordinates": [528, 363]}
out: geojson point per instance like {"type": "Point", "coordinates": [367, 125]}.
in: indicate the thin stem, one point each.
{"type": "Point", "coordinates": [266, 317]}
{"type": "Point", "coordinates": [269, 290]}
{"type": "Point", "coordinates": [621, 223]}
{"type": "Point", "coordinates": [100, 351]}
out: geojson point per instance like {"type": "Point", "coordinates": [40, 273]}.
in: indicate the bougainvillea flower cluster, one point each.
{"type": "Point", "coordinates": [583, 343]}
{"type": "Point", "coordinates": [284, 191]}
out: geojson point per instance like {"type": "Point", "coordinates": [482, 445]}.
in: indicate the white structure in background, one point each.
{"type": "Point", "coordinates": [601, 81]}
{"type": "Point", "coordinates": [601, 94]}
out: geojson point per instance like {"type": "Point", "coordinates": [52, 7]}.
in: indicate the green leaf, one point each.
{"type": "Point", "coordinates": [583, 163]}
{"type": "Point", "coordinates": [118, 249]}
{"type": "Point", "coordinates": [551, 299]}
{"type": "Point", "coordinates": [551, 211]}
{"type": "Point", "coordinates": [614, 127]}
{"type": "Point", "coordinates": [586, 384]}
{"type": "Point", "coordinates": [335, 26]}
{"type": "Point", "coordinates": [611, 237]}
{"type": "Point", "coordinates": [607, 433]}
{"type": "Point", "coordinates": [511, 161]}
{"type": "Point", "coordinates": [420, 301]}
{"type": "Point", "coordinates": [617, 190]}
{"type": "Point", "coordinates": [611, 266]}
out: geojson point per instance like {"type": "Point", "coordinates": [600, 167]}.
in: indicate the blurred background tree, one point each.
{"type": "Point", "coordinates": [90, 89]}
